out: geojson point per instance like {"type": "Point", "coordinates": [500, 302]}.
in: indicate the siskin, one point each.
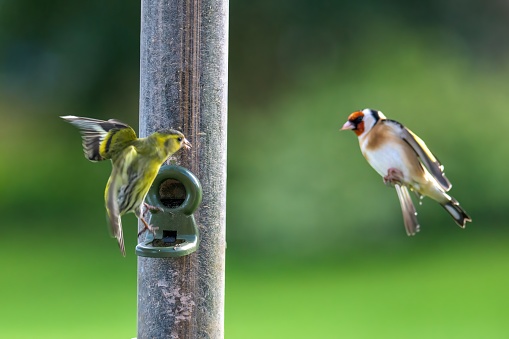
{"type": "Point", "coordinates": [135, 164]}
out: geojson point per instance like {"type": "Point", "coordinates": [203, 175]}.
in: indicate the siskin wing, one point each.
{"type": "Point", "coordinates": [102, 139]}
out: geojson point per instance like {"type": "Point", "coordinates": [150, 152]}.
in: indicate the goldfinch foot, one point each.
{"type": "Point", "coordinates": [394, 176]}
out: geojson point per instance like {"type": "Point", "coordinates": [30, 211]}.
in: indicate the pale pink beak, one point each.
{"type": "Point", "coordinates": [347, 125]}
{"type": "Point", "coordinates": [186, 144]}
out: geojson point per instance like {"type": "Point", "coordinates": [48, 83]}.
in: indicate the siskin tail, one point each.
{"type": "Point", "coordinates": [99, 135]}
{"type": "Point", "coordinates": [115, 221]}
{"type": "Point", "coordinates": [457, 213]}
{"type": "Point", "coordinates": [120, 240]}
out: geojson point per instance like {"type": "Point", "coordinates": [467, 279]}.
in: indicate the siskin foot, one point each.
{"type": "Point", "coordinates": [152, 209]}
{"type": "Point", "coordinates": [147, 228]}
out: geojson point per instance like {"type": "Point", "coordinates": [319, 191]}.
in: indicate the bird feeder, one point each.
{"type": "Point", "coordinates": [175, 193]}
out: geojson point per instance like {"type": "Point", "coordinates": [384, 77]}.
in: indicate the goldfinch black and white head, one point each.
{"type": "Point", "coordinates": [363, 121]}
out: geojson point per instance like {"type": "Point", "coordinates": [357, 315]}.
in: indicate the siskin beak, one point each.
{"type": "Point", "coordinates": [186, 144]}
{"type": "Point", "coordinates": [347, 125]}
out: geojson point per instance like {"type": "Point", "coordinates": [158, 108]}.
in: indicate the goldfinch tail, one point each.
{"type": "Point", "coordinates": [99, 135]}
{"type": "Point", "coordinates": [408, 209]}
{"type": "Point", "coordinates": [457, 213]}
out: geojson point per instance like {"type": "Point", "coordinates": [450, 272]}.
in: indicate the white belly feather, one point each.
{"type": "Point", "coordinates": [386, 157]}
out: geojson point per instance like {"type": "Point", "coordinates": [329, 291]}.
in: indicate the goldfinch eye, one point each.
{"type": "Point", "coordinates": [357, 120]}
{"type": "Point", "coordinates": [179, 139]}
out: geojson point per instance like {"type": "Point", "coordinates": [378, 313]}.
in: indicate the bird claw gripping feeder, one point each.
{"type": "Point", "coordinates": [175, 193]}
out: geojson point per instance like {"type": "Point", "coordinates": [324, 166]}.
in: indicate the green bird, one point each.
{"type": "Point", "coordinates": [135, 164]}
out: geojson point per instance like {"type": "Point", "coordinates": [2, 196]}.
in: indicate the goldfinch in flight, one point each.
{"type": "Point", "coordinates": [135, 163]}
{"type": "Point", "coordinates": [405, 162]}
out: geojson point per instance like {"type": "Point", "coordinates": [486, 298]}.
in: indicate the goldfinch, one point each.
{"type": "Point", "coordinates": [135, 164]}
{"type": "Point", "coordinates": [405, 162]}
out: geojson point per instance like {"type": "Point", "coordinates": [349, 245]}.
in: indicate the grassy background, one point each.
{"type": "Point", "coordinates": [455, 290]}
{"type": "Point", "coordinates": [316, 243]}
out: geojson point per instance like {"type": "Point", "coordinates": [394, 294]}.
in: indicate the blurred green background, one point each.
{"type": "Point", "coordinates": [316, 243]}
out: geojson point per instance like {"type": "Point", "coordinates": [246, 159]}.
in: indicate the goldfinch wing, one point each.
{"type": "Point", "coordinates": [118, 178]}
{"type": "Point", "coordinates": [428, 159]}
{"type": "Point", "coordinates": [408, 210]}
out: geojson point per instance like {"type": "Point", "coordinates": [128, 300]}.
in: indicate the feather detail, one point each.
{"type": "Point", "coordinates": [98, 135]}
{"type": "Point", "coordinates": [427, 158]}
{"type": "Point", "coordinates": [112, 209]}
{"type": "Point", "coordinates": [408, 209]}
{"type": "Point", "coordinates": [457, 213]}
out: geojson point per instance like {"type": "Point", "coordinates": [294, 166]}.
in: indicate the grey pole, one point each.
{"type": "Point", "coordinates": [183, 85]}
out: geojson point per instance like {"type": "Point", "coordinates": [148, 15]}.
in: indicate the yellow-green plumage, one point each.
{"type": "Point", "coordinates": [135, 163]}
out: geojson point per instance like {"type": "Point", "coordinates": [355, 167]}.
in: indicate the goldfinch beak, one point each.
{"type": "Point", "coordinates": [347, 125]}
{"type": "Point", "coordinates": [186, 144]}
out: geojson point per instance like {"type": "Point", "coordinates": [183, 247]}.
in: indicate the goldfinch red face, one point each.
{"type": "Point", "coordinates": [363, 121]}
{"type": "Point", "coordinates": [355, 122]}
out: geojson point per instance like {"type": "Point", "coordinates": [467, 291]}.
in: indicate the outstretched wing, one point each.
{"type": "Point", "coordinates": [428, 159]}
{"type": "Point", "coordinates": [99, 134]}
{"type": "Point", "coordinates": [118, 178]}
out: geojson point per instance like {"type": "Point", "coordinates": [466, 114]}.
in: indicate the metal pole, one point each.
{"type": "Point", "coordinates": [183, 85]}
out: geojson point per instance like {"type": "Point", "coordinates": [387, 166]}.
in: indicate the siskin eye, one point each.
{"type": "Point", "coordinates": [179, 139]}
